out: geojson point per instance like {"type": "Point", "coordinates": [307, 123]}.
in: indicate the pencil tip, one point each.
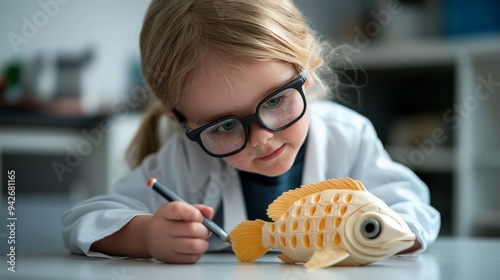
{"type": "Point", "coordinates": [151, 181]}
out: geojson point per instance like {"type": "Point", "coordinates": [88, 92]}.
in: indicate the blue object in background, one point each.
{"type": "Point", "coordinates": [466, 17]}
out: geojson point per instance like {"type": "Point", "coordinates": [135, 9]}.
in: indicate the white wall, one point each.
{"type": "Point", "coordinates": [111, 27]}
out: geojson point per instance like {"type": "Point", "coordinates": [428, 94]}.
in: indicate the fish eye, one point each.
{"type": "Point", "coordinates": [370, 228]}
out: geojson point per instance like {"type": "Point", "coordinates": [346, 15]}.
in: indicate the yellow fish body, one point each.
{"type": "Point", "coordinates": [333, 222]}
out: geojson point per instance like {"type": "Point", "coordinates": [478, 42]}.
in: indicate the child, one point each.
{"type": "Point", "coordinates": [236, 80]}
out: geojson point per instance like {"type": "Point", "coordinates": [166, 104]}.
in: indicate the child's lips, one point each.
{"type": "Point", "coordinates": [273, 154]}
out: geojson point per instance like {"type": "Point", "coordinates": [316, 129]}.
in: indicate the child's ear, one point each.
{"type": "Point", "coordinates": [171, 116]}
{"type": "Point", "coordinates": [307, 84]}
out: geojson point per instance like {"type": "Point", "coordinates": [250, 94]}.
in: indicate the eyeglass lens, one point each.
{"type": "Point", "coordinates": [277, 112]}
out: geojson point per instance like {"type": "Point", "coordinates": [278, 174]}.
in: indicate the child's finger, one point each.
{"type": "Point", "coordinates": [180, 211]}
{"type": "Point", "coordinates": [188, 230]}
{"type": "Point", "coordinates": [205, 210]}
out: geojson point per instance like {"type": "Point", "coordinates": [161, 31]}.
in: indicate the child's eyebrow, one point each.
{"type": "Point", "coordinates": [197, 122]}
{"type": "Point", "coordinates": [206, 120]}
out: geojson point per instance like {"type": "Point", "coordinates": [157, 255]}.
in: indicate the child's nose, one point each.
{"type": "Point", "coordinates": [258, 135]}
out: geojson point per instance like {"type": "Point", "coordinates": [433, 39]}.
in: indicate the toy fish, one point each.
{"type": "Point", "coordinates": [333, 222]}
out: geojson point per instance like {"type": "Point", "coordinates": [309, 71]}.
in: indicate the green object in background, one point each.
{"type": "Point", "coordinates": [12, 75]}
{"type": "Point", "coordinates": [13, 72]}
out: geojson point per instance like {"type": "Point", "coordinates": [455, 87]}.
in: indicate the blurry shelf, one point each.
{"type": "Point", "coordinates": [427, 52]}
{"type": "Point", "coordinates": [441, 159]}
{"type": "Point", "coordinates": [80, 143]}
{"type": "Point", "coordinates": [488, 218]}
{"type": "Point", "coordinates": [413, 86]}
{"type": "Point", "coordinates": [403, 53]}
{"type": "Point", "coordinates": [19, 118]}
{"type": "Point", "coordinates": [489, 159]}
{"type": "Point", "coordinates": [39, 140]}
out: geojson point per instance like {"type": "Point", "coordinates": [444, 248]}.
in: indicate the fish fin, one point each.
{"type": "Point", "coordinates": [281, 204]}
{"type": "Point", "coordinates": [326, 257]}
{"type": "Point", "coordinates": [286, 259]}
{"type": "Point", "coordinates": [348, 183]}
{"type": "Point", "coordinates": [247, 240]}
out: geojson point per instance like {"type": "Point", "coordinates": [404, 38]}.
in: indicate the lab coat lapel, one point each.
{"type": "Point", "coordinates": [314, 162]}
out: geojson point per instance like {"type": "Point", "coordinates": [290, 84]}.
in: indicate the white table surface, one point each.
{"type": "Point", "coordinates": [446, 259]}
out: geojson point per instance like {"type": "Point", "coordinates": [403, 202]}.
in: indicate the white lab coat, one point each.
{"type": "Point", "coordinates": [341, 143]}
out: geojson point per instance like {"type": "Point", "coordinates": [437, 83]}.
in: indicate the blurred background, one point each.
{"type": "Point", "coordinates": [426, 72]}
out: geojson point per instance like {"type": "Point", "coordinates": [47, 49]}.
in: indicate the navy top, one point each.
{"type": "Point", "coordinates": [259, 190]}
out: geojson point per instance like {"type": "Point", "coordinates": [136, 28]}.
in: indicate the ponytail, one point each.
{"type": "Point", "coordinates": [147, 139]}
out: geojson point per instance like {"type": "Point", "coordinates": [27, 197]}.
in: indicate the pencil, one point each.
{"type": "Point", "coordinates": [170, 195]}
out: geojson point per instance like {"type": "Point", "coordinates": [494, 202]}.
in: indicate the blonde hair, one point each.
{"type": "Point", "coordinates": [177, 36]}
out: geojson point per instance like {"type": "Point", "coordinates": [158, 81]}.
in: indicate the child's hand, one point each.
{"type": "Point", "coordinates": [176, 234]}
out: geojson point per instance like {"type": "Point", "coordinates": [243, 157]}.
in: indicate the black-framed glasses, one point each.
{"type": "Point", "coordinates": [229, 135]}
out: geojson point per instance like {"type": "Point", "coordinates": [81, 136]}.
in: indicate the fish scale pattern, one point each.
{"type": "Point", "coordinates": [311, 223]}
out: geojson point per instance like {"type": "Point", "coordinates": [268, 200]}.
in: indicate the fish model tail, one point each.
{"type": "Point", "coordinates": [247, 240]}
